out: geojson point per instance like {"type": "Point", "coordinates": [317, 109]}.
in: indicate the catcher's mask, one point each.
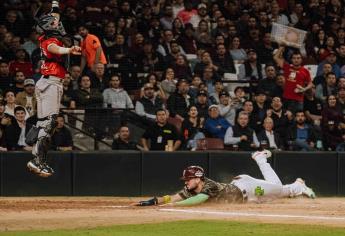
{"type": "Point", "coordinates": [45, 26]}
{"type": "Point", "coordinates": [193, 172]}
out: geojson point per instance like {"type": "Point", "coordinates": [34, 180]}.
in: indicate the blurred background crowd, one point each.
{"type": "Point", "coordinates": [198, 74]}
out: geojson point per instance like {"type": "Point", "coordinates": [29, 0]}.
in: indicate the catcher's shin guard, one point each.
{"type": "Point", "coordinates": [47, 127]}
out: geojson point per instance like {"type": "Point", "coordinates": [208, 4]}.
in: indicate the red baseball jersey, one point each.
{"type": "Point", "coordinates": [51, 67]}
{"type": "Point", "coordinates": [293, 77]}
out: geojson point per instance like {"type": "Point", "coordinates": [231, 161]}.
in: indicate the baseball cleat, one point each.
{"type": "Point", "coordinates": [306, 190]}
{"type": "Point", "coordinates": [34, 166]}
{"type": "Point", "coordinates": [264, 153]}
{"type": "Point", "coordinates": [45, 171]}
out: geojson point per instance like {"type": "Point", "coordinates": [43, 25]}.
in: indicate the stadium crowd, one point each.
{"type": "Point", "coordinates": [170, 61]}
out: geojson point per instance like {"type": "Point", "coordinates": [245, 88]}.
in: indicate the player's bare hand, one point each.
{"type": "Point", "coordinates": [75, 50]}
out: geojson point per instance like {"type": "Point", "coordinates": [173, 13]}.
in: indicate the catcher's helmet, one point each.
{"type": "Point", "coordinates": [45, 26]}
{"type": "Point", "coordinates": [193, 172]}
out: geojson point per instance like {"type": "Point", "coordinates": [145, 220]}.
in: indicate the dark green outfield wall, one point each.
{"type": "Point", "coordinates": [155, 173]}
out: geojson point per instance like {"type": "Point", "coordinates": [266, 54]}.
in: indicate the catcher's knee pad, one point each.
{"type": "Point", "coordinates": [32, 136]}
{"type": "Point", "coordinates": [49, 124]}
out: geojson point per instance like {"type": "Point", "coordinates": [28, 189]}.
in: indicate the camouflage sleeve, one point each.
{"type": "Point", "coordinates": [185, 193]}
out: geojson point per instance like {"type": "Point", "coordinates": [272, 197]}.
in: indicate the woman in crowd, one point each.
{"type": "Point", "coordinates": [191, 128]}
{"type": "Point", "coordinates": [181, 68]}
{"type": "Point", "coordinates": [169, 82]}
{"type": "Point", "coordinates": [237, 53]}
{"type": "Point", "coordinates": [333, 125]}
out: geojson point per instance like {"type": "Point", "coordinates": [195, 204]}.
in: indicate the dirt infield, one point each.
{"type": "Point", "coordinates": [47, 213]}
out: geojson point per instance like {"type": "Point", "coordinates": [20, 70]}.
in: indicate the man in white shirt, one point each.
{"type": "Point", "coordinates": [268, 138]}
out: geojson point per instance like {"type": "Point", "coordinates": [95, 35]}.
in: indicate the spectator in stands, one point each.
{"type": "Point", "coordinates": [312, 107]}
{"type": "Point", "coordinates": [27, 98]}
{"type": "Point", "coordinates": [6, 81]}
{"type": "Point", "coordinates": [15, 133]}
{"type": "Point", "coordinates": [119, 56]}
{"type": "Point", "coordinates": [92, 52]}
{"type": "Point", "coordinates": [223, 60]}
{"type": "Point", "coordinates": [181, 68]}
{"type": "Point", "coordinates": [301, 136]}
{"type": "Point", "coordinates": [297, 79]}
{"type": "Point", "coordinates": [67, 99]}
{"type": "Point", "coordinates": [18, 82]}
{"type": "Point", "coordinates": [194, 86]}
{"type": "Point", "coordinates": [251, 69]}
{"type": "Point", "coordinates": [221, 27]}
{"type": "Point", "coordinates": [226, 108]}
{"type": "Point", "coordinates": [98, 79]}
{"type": "Point", "coordinates": [203, 36]}
{"type": "Point", "coordinates": [147, 105]}
{"type": "Point", "coordinates": [5, 120]}
{"type": "Point", "coordinates": [150, 60]}
{"type": "Point", "coordinates": [115, 96]}
{"type": "Point", "coordinates": [152, 78]}
{"type": "Point", "coordinates": [238, 98]}
{"type": "Point", "coordinates": [210, 77]}
{"type": "Point", "coordinates": [328, 48]}
{"type": "Point", "coordinates": [162, 136]}
{"type": "Point", "coordinates": [341, 99]}
{"type": "Point", "coordinates": [320, 79]}
{"type": "Point", "coordinates": [216, 125]}
{"type": "Point", "coordinates": [268, 138]}
{"type": "Point", "coordinates": [265, 49]}
{"type": "Point", "coordinates": [331, 59]}
{"type": "Point", "coordinates": [177, 28]}
{"type": "Point", "coordinates": [236, 51]}
{"type": "Point", "coordinates": [268, 85]}
{"type": "Point", "coordinates": [75, 76]}
{"type": "Point", "coordinates": [122, 140]}
{"type": "Point", "coordinates": [187, 12]}
{"type": "Point", "coordinates": [329, 87]}
{"type": "Point", "coordinates": [188, 40]}
{"type": "Point", "coordinates": [168, 17]}
{"type": "Point", "coordinates": [177, 6]}
{"type": "Point", "coordinates": [89, 98]}
{"type": "Point", "coordinates": [341, 54]}
{"type": "Point", "coordinates": [241, 134]}
{"type": "Point", "coordinates": [168, 83]}
{"type": "Point", "coordinates": [276, 16]}
{"type": "Point", "coordinates": [165, 47]}
{"type": "Point", "coordinates": [260, 107]}
{"type": "Point", "coordinates": [21, 63]}
{"type": "Point", "coordinates": [218, 88]}
{"type": "Point", "coordinates": [10, 99]}
{"type": "Point", "coordinates": [62, 138]}
{"type": "Point", "coordinates": [281, 118]}
{"type": "Point", "coordinates": [202, 104]}
{"type": "Point", "coordinates": [202, 15]}
{"type": "Point", "coordinates": [192, 128]}
{"type": "Point", "coordinates": [206, 61]}
{"type": "Point", "coordinates": [174, 52]}
{"type": "Point", "coordinates": [109, 38]}
{"type": "Point", "coordinates": [179, 101]}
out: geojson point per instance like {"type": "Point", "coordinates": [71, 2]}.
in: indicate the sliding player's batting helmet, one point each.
{"type": "Point", "coordinates": [193, 172]}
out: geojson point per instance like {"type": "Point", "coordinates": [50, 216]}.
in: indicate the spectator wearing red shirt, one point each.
{"type": "Point", "coordinates": [187, 13]}
{"type": "Point", "coordinates": [21, 63]}
{"type": "Point", "coordinates": [297, 79]}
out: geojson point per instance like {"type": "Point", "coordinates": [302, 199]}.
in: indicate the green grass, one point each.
{"type": "Point", "coordinates": [198, 228]}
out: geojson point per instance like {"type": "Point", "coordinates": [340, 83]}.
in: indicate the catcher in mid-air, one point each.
{"type": "Point", "coordinates": [49, 88]}
{"type": "Point", "coordinates": [243, 188]}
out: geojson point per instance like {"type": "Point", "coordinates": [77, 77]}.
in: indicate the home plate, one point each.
{"type": "Point", "coordinates": [254, 214]}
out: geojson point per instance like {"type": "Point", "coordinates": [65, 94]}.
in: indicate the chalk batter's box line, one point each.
{"type": "Point", "coordinates": [246, 214]}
